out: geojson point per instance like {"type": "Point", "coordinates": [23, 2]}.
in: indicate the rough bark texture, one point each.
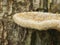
{"type": "Point", "coordinates": [13, 34]}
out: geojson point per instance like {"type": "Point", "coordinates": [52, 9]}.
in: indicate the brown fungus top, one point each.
{"type": "Point", "coordinates": [38, 20]}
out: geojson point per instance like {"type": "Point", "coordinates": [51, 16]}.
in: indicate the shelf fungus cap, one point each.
{"type": "Point", "coordinates": [38, 20]}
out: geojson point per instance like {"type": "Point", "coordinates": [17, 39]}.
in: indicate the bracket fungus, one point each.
{"type": "Point", "coordinates": [38, 20]}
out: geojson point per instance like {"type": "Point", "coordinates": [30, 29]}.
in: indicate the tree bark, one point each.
{"type": "Point", "coordinates": [13, 34]}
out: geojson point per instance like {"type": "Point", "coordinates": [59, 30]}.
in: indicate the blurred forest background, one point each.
{"type": "Point", "coordinates": [13, 34]}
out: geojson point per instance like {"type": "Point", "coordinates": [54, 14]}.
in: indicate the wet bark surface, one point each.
{"type": "Point", "coordinates": [13, 34]}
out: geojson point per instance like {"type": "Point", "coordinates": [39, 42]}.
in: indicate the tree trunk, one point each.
{"type": "Point", "coordinates": [13, 34]}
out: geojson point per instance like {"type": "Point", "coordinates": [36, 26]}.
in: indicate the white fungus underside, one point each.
{"type": "Point", "coordinates": [46, 20]}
